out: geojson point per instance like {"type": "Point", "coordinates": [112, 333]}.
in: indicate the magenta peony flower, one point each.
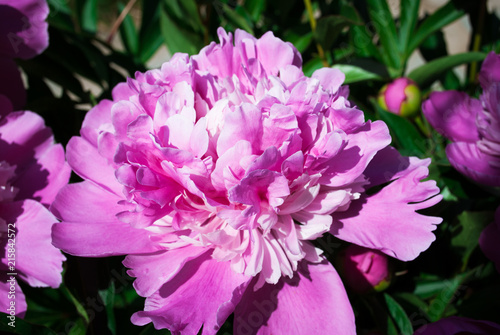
{"type": "Point", "coordinates": [32, 170]}
{"type": "Point", "coordinates": [401, 97]}
{"type": "Point", "coordinates": [489, 239]}
{"type": "Point", "coordinates": [215, 173]}
{"type": "Point", "coordinates": [23, 34]}
{"type": "Point", "coordinates": [472, 125]}
{"type": "Point", "coordinates": [364, 270]}
{"type": "Point", "coordinates": [459, 326]}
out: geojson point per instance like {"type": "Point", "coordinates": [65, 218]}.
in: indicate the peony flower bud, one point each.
{"type": "Point", "coordinates": [365, 270]}
{"type": "Point", "coordinates": [401, 97]}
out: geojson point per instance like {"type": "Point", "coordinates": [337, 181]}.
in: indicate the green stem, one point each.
{"type": "Point", "coordinates": [312, 22]}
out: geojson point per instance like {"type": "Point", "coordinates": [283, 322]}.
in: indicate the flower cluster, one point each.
{"type": "Point", "coordinates": [32, 167]}
{"type": "Point", "coordinates": [213, 175]}
{"type": "Point", "coordinates": [473, 125]}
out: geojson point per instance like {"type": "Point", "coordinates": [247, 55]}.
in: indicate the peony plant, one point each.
{"type": "Point", "coordinates": [215, 173]}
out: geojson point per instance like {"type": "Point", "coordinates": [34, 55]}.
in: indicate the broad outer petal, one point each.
{"type": "Point", "coordinates": [97, 169]}
{"type": "Point", "coordinates": [37, 261]}
{"type": "Point", "coordinates": [86, 202]}
{"type": "Point", "coordinates": [388, 165]}
{"type": "Point", "coordinates": [489, 240]}
{"type": "Point", "coordinates": [154, 269]}
{"type": "Point", "coordinates": [6, 296]}
{"type": "Point", "coordinates": [204, 293]}
{"type": "Point", "coordinates": [313, 302]}
{"type": "Point", "coordinates": [45, 177]}
{"type": "Point", "coordinates": [453, 114]}
{"type": "Point", "coordinates": [459, 325]}
{"type": "Point", "coordinates": [12, 85]}
{"type": "Point", "coordinates": [23, 30]}
{"type": "Point", "coordinates": [101, 239]}
{"type": "Point", "coordinates": [471, 162]}
{"type": "Point", "coordinates": [388, 221]}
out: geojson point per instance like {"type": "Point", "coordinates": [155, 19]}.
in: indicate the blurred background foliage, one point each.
{"type": "Point", "coordinates": [95, 44]}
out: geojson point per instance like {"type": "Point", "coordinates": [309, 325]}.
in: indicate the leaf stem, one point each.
{"type": "Point", "coordinates": [120, 19]}
{"type": "Point", "coordinates": [312, 22]}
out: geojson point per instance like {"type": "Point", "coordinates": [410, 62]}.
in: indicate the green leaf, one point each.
{"type": "Point", "coordinates": [329, 28]}
{"type": "Point", "coordinates": [361, 39]}
{"type": "Point", "coordinates": [22, 327]}
{"type": "Point", "coordinates": [386, 28]}
{"type": "Point", "coordinates": [300, 40]}
{"type": "Point", "coordinates": [178, 35]}
{"type": "Point", "coordinates": [235, 19]}
{"type": "Point", "coordinates": [150, 38]}
{"type": "Point", "coordinates": [450, 289]}
{"type": "Point", "coordinates": [399, 315]}
{"type": "Point", "coordinates": [89, 16]}
{"type": "Point", "coordinates": [312, 65]}
{"type": "Point", "coordinates": [439, 19]}
{"type": "Point", "coordinates": [408, 21]}
{"type": "Point", "coordinates": [466, 232]}
{"type": "Point", "coordinates": [79, 307]}
{"type": "Point", "coordinates": [107, 297]}
{"type": "Point", "coordinates": [404, 132]}
{"type": "Point", "coordinates": [355, 74]}
{"type": "Point", "coordinates": [429, 72]}
{"type": "Point", "coordinates": [128, 32]}
{"type": "Point", "coordinates": [255, 8]}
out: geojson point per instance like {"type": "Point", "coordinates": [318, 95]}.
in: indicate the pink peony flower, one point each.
{"type": "Point", "coordinates": [364, 270]}
{"type": "Point", "coordinates": [401, 97]}
{"type": "Point", "coordinates": [32, 170]}
{"type": "Point", "coordinates": [489, 239]}
{"type": "Point", "coordinates": [23, 34]}
{"type": "Point", "coordinates": [213, 175]}
{"type": "Point", "coordinates": [459, 326]}
{"type": "Point", "coordinates": [472, 125]}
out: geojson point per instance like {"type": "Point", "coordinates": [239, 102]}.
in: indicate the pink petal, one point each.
{"type": "Point", "coordinates": [268, 47]}
{"type": "Point", "coordinates": [330, 79]}
{"type": "Point", "coordinates": [153, 270]}
{"type": "Point", "coordinates": [98, 169]}
{"type": "Point", "coordinates": [44, 177]}
{"type": "Point", "coordinates": [18, 298]}
{"type": "Point", "coordinates": [24, 130]}
{"type": "Point", "coordinates": [203, 293]}
{"type": "Point", "coordinates": [471, 162]}
{"type": "Point", "coordinates": [388, 165]}
{"type": "Point", "coordinates": [96, 121]}
{"type": "Point", "coordinates": [86, 202]}
{"type": "Point", "coordinates": [453, 114]}
{"type": "Point", "coordinates": [37, 261]}
{"type": "Point", "coordinates": [311, 303]}
{"type": "Point", "coordinates": [361, 147]}
{"type": "Point", "coordinates": [101, 239]}
{"type": "Point", "coordinates": [244, 123]}
{"type": "Point", "coordinates": [388, 221]}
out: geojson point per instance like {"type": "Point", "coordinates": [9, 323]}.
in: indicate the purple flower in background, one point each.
{"type": "Point", "coordinates": [32, 170]}
{"type": "Point", "coordinates": [459, 326]}
{"type": "Point", "coordinates": [472, 125]}
{"type": "Point", "coordinates": [213, 175]}
{"type": "Point", "coordinates": [23, 34]}
{"type": "Point", "coordinates": [490, 238]}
